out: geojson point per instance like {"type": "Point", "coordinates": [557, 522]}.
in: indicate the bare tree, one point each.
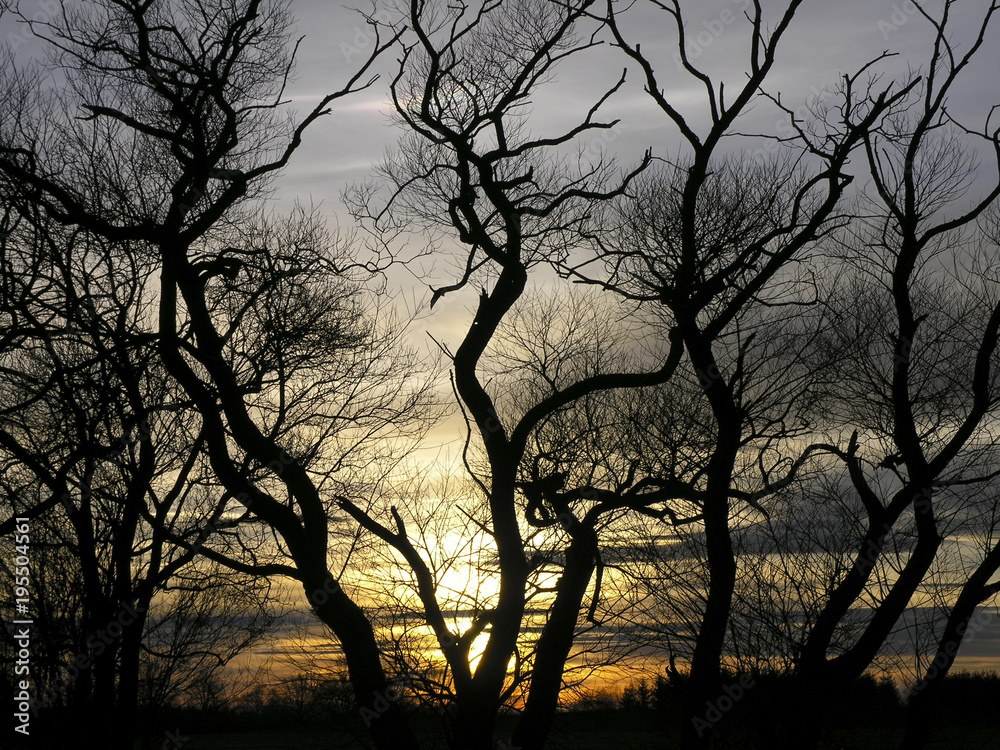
{"type": "Point", "coordinates": [89, 433]}
{"type": "Point", "coordinates": [918, 314]}
{"type": "Point", "coordinates": [468, 167]}
{"type": "Point", "coordinates": [179, 122]}
{"type": "Point", "coordinates": [713, 240]}
{"type": "Point", "coordinates": [207, 617]}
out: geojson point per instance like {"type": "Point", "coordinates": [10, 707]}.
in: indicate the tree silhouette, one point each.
{"type": "Point", "coordinates": [102, 455]}
{"type": "Point", "coordinates": [468, 167]}
{"type": "Point", "coordinates": [929, 380]}
{"type": "Point", "coordinates": [711, 239]}
{"type": "Point", "coordinates": [178, 125]}
{"type": "Point", "coordinates": [190, 385]}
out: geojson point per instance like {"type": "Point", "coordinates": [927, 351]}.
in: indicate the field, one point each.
{"type": "Point", "coordinates": [600, 731]}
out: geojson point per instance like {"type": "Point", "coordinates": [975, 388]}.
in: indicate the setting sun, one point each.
{"type": "Point", "coordinates": [502, 374]}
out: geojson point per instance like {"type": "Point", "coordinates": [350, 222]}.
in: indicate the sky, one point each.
{"type": "Point", "coordinates": [825, 41]}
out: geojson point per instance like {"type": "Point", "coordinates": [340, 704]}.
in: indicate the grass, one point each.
{"type": "Point", "coordinates": [586, 731]}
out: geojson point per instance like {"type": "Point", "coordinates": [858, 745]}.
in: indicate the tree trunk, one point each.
{"type": "Point", "coordinates": [921, 702]}
{"type": "Point", "coordinates": [702, 689]}
{"type": "Point", "coordinates": [554, 645]}
{"type": "Point", "coordinates": [376, 699]}
{"type": "Point", "coordinates": [476, 720]}
{"type": "Point", "coordinates": [818, 674]}
{"type": "Point", "coordinates": [127, 705]}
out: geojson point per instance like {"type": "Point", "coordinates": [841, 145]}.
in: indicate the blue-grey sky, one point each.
{"type": "Point", "coordinates": [825, 40]}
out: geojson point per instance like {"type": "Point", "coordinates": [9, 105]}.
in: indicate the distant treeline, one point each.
{"type": "Point", "coordinates": [870, 715]}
